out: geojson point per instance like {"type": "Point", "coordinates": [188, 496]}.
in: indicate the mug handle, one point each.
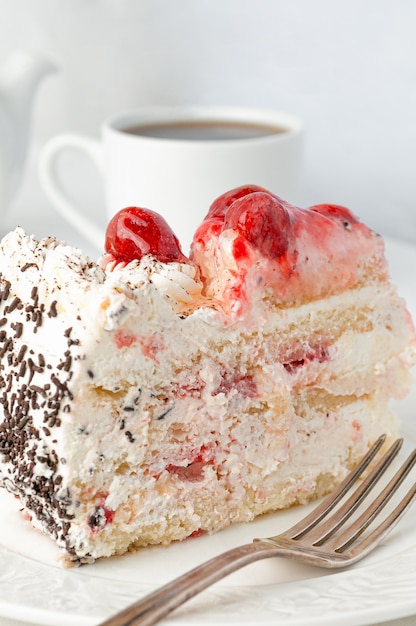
{"type": "Point", "coordinates": [47, 167]}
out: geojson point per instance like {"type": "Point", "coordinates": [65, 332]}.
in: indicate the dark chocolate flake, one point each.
{"type": "Point", "coordinates": [34, 295]}
{"type": "Point", "coordinates": [7, 347]}
{"type": "Point", "coordinates": [5, 292]}
{"type": "Point", "coordinates": [53, 311]}
{"type": "Point", "coordinates": [37, 319]}
{"type": "Point", "coordinates": [21, 353]}
{"type": "Point", "coordinates": [165, 413]}
{"type": "Point", "coordinates": [66, 365]}
{"type": "Point", "coordinates": [22, 369]}
{"type": "Point", "coordinates": [38, 389]}
{"type": "Point", "coordinates": [23, 422]}
{"type": "Point", "coordinates": [97, 519]}
{"type": "Point", "coordinates": [18, 329]}
{"type": "Point", "coordinates": [13, 305]}
{"type": "Point", "coordinates": [27, 265]}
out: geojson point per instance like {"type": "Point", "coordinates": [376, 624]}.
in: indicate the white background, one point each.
{"type": "Point", "coordinates": [346, 67]}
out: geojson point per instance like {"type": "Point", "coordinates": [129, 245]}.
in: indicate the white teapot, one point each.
{"type": "Point", "coordinates": [19, 79]}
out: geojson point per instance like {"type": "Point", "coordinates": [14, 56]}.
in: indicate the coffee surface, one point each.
{"type": "Point", "coordinates": [205, 131]}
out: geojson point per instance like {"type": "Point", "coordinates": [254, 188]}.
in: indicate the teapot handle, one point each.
{"type": "Point", "coordinates": [48, 174]}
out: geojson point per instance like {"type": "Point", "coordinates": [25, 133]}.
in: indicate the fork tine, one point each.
{"type": "Point", "coordinates": [322, 534]}
{"type": "Point", "coordinates": [349, 536]}
{"type": "Point", "coordinates": [378, 534]}
{"type": "Point", "coordinates": [310, 521]}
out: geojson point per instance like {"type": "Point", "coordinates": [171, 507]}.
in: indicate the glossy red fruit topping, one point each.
{"type": "Point", "coordinates": [134, 232]}
{"type": "Point", "coordinates": [263, 220]}
{"type": "Point", "coordinates": [336, 212]}
{"type": "Point", "coordinates": [220, 206]}
{"type": "Point", "coordinates": [268, 223]}
{"type": "Point", "coordinates": [260, 217]}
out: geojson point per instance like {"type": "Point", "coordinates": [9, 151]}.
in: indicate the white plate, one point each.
{"type": "Point", "coordinates": [33, 587]}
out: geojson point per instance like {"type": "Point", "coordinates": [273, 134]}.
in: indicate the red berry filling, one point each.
{"type": "Point", "coordinates": [124, 338]}
{"type": "Point", "coordinates": [301, 357]}
{"type": "Point", "coordinates": [244, 385]}
{"type": "Point", "coordinates": [193, 471]}
{"type": "Point", "coordinates": [191, 387]}
{"type": "Point", "coordinates": [196, 533]}
{"type": "Point", "coordinates": [152, 345]}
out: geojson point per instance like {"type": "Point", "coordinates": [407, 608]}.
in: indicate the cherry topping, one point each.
{"type": "Point", "coordinates": [262, 219]}
{"type": "Point", "coordinates": [336, 212]}
{"type": "Point", "coordinates": [220, 206]}
{"type": "Point", "coordinates": [134, 232]}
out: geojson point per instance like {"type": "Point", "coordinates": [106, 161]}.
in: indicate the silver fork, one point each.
{"type": "Point", "coordinates": [319, 539]}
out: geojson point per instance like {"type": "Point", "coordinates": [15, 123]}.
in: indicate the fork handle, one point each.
{"type": "Point", "coordinates": [158, 604]}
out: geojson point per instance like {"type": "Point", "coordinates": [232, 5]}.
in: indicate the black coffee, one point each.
{"type": "Point", "coordinates": [205, 131]}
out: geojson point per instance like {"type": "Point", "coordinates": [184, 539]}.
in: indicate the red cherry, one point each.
{"type": "Point", "coordinates": [220, 206]}
{"type": "Point", "coordinates": [212, 225]}
{"type": "Point", "coordinates": [134, 232]}
{"type": "Point", "coordinates": [262, 219]}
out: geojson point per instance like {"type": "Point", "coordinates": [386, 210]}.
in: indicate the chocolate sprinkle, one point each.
{"type": "Point", "coordinates": [165, 413]}
{"type": "Point", "coordinates": [53, 311]}
{"type": "Point", "coordinates": [27, 265]}
{"type": "Point", "coordinates": [13, 305]}
{"type": "Point", "coordinates": [18, 328]}
{"type": "Point", "coordinates": [5, 290]}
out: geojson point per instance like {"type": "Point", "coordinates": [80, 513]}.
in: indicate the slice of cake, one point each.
{"type": "Point", "coordinates": [149, 397]}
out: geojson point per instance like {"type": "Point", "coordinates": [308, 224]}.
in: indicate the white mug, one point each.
{"type": "Point", "coordinates": [213, 150]}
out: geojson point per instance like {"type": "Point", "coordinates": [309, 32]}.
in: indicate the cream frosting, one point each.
{"type": "Point", "coordinates": [178, 282]}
